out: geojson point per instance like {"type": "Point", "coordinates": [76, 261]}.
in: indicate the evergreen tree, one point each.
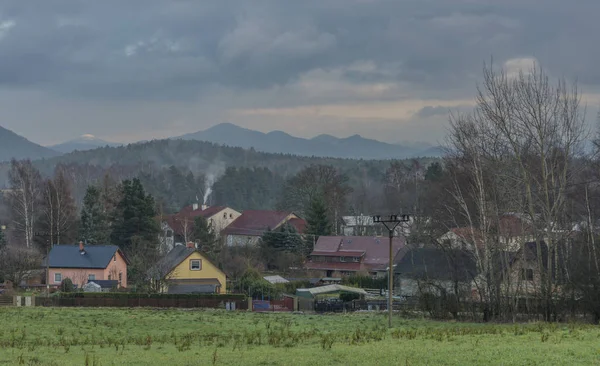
{"type": "Point", "coordinates": [282, 247]}
{"type": "Point", "coordinates": [434, 172]}
{"type": "Point", "coordinates": [94, 227]}
{"type": "Point", "coordinates": [205, 236]}
{"type": "Point", "coordinates": [317, 222]}
{"type": "Point", "coordinates": [135, 216]}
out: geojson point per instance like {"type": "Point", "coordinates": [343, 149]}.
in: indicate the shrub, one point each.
{"type": "Point", "coordinates": [349, 296]}
{"type": "Point", "coordinates": [67, 286]}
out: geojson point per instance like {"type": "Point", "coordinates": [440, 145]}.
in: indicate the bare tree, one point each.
{"type": "Point", "coordinates": [517, 149]}
{"type": "Point", "coordinates": [25, 194]}
{"type": "Point", "coordinates": [16, 262]}
{"type": "Point", "coordinates": [58, 210]}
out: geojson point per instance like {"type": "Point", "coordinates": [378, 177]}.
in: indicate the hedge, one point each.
{"type": "Point", "coordinates": [133, 295]}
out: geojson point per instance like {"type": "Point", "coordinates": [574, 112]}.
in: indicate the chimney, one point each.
{"type": "Point", "coordinates": [191, 244]}
{"type": "Point", "coordinates": [204, 207]}
{"type": "Point", "coordinates": [194, 206]}
{"type": "Point", "coordinates": [81, 248]}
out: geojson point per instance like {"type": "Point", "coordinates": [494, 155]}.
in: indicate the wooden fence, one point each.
{"type": "Point", "coordinates": [6, 300]}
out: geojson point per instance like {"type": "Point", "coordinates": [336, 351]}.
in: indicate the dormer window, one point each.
{"type": "Point", "coordinates": [224, 215]}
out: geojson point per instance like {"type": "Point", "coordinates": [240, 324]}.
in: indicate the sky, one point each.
{"type": "Point", "coordinates": [385, 69]}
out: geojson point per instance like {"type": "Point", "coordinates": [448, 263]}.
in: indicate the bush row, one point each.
{"type": "Point", "coordinates": [132, 295]}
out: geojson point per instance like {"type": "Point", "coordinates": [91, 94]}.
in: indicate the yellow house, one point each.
{"type": "Point", "coordinates": [185, 270]}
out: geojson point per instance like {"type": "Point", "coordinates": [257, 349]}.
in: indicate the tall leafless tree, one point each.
{"type": "Point", "coordinates": [25, 181]}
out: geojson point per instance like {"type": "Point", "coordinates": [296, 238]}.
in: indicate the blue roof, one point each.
{"type": "Point", "coordinates": [68, 256]}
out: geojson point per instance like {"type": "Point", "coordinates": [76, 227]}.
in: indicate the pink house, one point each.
{"type": "Point", "coordinates": [83, 264]}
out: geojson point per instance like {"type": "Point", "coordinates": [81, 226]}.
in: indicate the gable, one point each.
{"type": "Point", "coordinates": [182, 270]}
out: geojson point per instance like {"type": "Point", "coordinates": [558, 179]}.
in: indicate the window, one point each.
{"type": "Point", "coordinates": [114, 258]}
{"type": "Point", "coordinates": [120, 277]}
{"type": "Point", "coordinates": [231, 216]}
{"type": "Point", "coordinates": [91, 277]}
{"type": "Point", "coordinates": [169, 233]}
{"type": "Point", "coordinates": [224, 215]}
{"type": "Point", "coordinates": [57, 277]}
{"type": "Point", "coordinates": [527, 274]}
{"type": "Point", "coordinates": [343, 259]}
{"type": "Point", "coordinates": [195, 264]}
{"type": "Point", "coordinates": [356, 259]}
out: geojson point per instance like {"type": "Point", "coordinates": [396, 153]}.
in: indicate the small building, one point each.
{"type": "Point", "coordinates": [346, 255]}
{"type": "Point", "coordinates": [252, 224]}
{"type": "Point", "coordinates": [433, 270]}
{"type": "Point", "coordinates": [328, 291]}
{"type": "Point", "coordinates": [275, 279]}
{"type": "Point", "coordinates": [186, 270]}
{"type": "Point", "coordinates": [82, 264]}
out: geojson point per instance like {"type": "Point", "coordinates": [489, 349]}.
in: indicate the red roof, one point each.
{"type": "Point", "coordinates": [256, 222]}
{"type": "Point", "coordinates": [187, 215]}
{"type": "Point", "coordinates": [375, 249]}
{"type": "Point", "coordinates": [298, 224]}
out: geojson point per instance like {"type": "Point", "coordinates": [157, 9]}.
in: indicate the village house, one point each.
{"type": "Point", "coordinates": [252, 224]}
{"type": "Point", "coordinates": [523, 277]}
{"type": "Point", "coordinates": [346, 255]}
{"type": "Point", "coordinates": [186, 270]}
{"type": "Point", "coordinates": [83, 264]}
{"type": "Point", "coordinates": [178, 228]}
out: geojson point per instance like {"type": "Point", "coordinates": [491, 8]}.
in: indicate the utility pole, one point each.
{"type": "Point", "coordinates": [391, 223]}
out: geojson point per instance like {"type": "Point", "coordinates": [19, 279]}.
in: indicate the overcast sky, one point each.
{"type": "Point", "coordinates": [126, 70]}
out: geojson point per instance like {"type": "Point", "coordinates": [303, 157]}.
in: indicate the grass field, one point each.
{"type": "Point", "coordinates": [71, 336]}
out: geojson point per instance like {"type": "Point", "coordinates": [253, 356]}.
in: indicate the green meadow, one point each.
{"type": "Point", "coordinates": [77, 336]}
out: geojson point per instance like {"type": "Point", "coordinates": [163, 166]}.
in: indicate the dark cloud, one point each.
{"type": "Point", "coordinates": [238, 54]}
{"type": "Point", "coordinates": [153, 48]}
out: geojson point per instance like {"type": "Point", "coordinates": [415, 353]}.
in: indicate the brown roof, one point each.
{"type": "Point", "coordinates": [375, 249]}
{"type": "Point", "coordinates": [256, 222]}
{"type": "Point", "coordinates": [178, 220]}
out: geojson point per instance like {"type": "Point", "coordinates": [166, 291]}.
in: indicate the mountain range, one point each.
{"type": "Point", "coordinates": [82, 143]}
{"type": "Point", "coordinates": [353, 147]}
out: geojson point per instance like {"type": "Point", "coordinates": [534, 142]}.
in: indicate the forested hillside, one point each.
{"type": "Point", "coordinates": [176, 172]}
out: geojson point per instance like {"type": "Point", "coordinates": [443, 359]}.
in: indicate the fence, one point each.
{"type": "Point", "coordinates": [287, 304]}
{"type": "Point", "coordinates": [143, 301]}
{"type": "Point", "coordinates": [6, 300]}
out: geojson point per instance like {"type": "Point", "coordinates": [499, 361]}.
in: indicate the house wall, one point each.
{"type": "Point", "coordinates": [518, 286]}
{"type": "Point", "coordinates": [222, 219]}
{"type": "Point", "coordinates": [115, 268]}
{"type": "Point", "coordinates": [79, 276]}
{"type": "Point", "coordinates": [208, 270]}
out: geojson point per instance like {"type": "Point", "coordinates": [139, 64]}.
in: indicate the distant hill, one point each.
{"type": "Point", "coordinates": [82, 143]}
{"type": "Point", "coordinates": [18, 147]}
{"type": "Point", "coordinates": [353, 147]}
